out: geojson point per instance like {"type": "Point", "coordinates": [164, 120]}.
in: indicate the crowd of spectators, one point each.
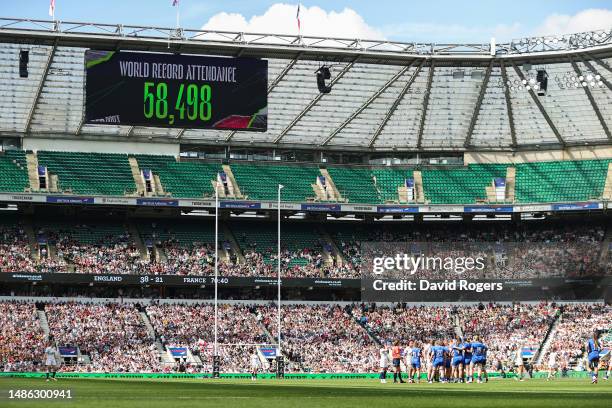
{"type": "Point", "coordinates": [509, 251]}
{"type": "Point", "coordinates": [22, 340]}
{"type": "Point", "coordinates": [323, 338]}
{"type": "Point", "coordinates": [405, 323]}
{"type": "Point", "coordinates": [529, 250]}
{"type": "Point", "coordinates": [16, 253]}
{"type": "Point", "coordinates": [192, 326]}
{"type": "Point", "coordinates": [576, 326]}
{"type": "Point", "coordinates": [112, 335]}
{"type": "Point", "coordinates": [504, 328]}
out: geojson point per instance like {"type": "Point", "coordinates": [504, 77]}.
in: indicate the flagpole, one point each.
{"type": "Point", "coordinates": [178, 13]}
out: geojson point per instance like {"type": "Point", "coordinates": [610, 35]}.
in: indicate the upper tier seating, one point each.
{"type": "Point", "coordinates": [90, 173]}
{"type": "Point", "coordinates": [13, 171]}
{"type": "Point", "coordinates": [561, 180]}
{"type": "Point", "coordinates": [388, 179]}
{"type": "Point", "coordinates": [110, 174]}
{"type": "Point", "coordinates": [260, 181]}
{"type": "Point", "coordinates": [460, 186]}
{"type": "Point", "coordinates": [182, 179]}
{"type": "Point", "coordinates": [355, 184]}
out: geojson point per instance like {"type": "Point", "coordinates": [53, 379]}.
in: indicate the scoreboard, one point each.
{"type": "Point", "coordinates": [169, 90]}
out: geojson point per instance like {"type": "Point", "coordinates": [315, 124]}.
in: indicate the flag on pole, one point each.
{"type": "Point", "coordinates": [52, 8]}
{"type": "Point", "coordinates": [175, 3]}
{"type": "Point", "coordinates": [298, 18]}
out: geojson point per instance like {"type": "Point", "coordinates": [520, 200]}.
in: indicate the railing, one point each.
{"type": "Point", "coordinates": [569, 42]}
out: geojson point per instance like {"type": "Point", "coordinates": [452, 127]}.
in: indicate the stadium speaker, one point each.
{"type": "Point", "coordinates": [323, 74]}
{"type": "Point", "coordinates": [542, 78]}
{"type": "Point", "coordinates": [24, 59]}
{"type": "Point", "coordinates": [216, 366]}
{"type": "Point", "coordinates": [280, 367]}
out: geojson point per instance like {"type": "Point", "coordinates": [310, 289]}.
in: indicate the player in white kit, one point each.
{"type": "Point", "coordinates": [384, 363]}
{"type": "Point", "coordinates": [519, 363]}
{"type": "Point", "coordinates": [553, 366]}
{"type": "Point", "coordinates": [51, 361]}
{"type": "Point", "coordinates": [255, 365]}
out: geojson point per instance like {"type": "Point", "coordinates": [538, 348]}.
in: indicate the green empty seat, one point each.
{"type": "Point", "coordinates": [460, 186]}
{"type": "Point", "coordinates": [561, 180]}
{"type": "Point", "coordinates": [90, 173]}
{"type": "Point", "coordinates": [186, 179]}
{"type": "Point", "coordinates": [259, 181]}
{"type": "Point", "coordinates": [13, 171]}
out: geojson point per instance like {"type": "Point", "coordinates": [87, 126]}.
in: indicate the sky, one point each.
{"type": "Point", "coordinates": [440, 21]}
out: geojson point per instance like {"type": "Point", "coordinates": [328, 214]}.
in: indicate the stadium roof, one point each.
{"type": "Point", "coordinates": [386, 95]}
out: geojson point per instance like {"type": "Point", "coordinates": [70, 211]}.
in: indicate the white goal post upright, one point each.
{"type": "Point", "coordinates": [280, 187]}
{"type": "Point", "coordinates": [216, 349]}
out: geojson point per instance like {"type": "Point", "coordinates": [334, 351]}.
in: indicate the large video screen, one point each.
{"type": "Point", "coordinates": [168, 90]}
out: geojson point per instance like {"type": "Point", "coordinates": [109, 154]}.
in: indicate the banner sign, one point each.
{"type": "Point", "coordinates": [440, 209]}
{"type": "Point", "coordinates": [70, 200]}
{"type": "Point", "coordinates": [488, 209]}
{"type": "Point", "coordinates": [268, 352]}
{"type": "Point", "coordinates": [156, 202]}
{"type": "Point", "coordinates": [68, 351]}
{"type": "Point", "coordinates": [397, 209]}
{"type": "Point", "coordinates": [174, 280]}
{"type": "Point", "coordinates": [321, 207]}
{"type": "Point", "coordinates": [178, 352]}
{"type": "Point", "coordinates": [314, 207]}
{"type": "Point", "coordinates": [576, 206]}
{"type": "Point", "coordinates": [241, 205]}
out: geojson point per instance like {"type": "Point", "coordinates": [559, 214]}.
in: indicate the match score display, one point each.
{"type": "Point", "coordinates": [167, 90]}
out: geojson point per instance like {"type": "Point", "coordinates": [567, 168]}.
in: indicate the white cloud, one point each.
{"type": "Point", "coordinates": [451, 33]}
{"type": "Point", "coordinates": [586, 20]}
{"type": "Point", "coordinates": [280, 18]}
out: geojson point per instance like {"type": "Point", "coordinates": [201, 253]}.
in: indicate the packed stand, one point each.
{"type": "Point", "coordinates": [504, 328]}
{"type": "Point", "coordinates": [113, 335]}
{"type": "Point", "coordinates": [22, 341]}
{"type": "Point", "coordinates": [405, 323]}
{"type": "Point", "coordinates": [16, 254]}
{"type": "Point", "coordinates": [193, 326]}
{"type": "Point", "coordinates": [322, 338]}
{"type": "Point", "coordinates": [578, 321]}
{"type": "Point", "coordinates": [530, 250]}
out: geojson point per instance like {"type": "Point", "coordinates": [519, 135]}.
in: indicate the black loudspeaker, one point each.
{"type": "Point", "coordinates": [323, 75]}
{"type": "Point", "coordinates": [24, 59]}
{"type": "Point", "coordinates": [280, 367]}
{"type": "Point", "coordinates": [216, 366]}
{"type": "Point", "coordinates": [542, 78]}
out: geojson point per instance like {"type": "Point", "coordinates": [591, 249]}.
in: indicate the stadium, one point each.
{"type": "Point", "coordinates": [284, 217]}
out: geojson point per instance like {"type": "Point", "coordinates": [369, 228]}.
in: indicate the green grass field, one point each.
{"type": "Point", "coordinates": [119, 393]}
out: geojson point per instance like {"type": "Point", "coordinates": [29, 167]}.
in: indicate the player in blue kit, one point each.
{"type": "Point", "coordinates": [467, 361]}
{"type": "Point", "coordinates": [479, 358]}
{"type": "Point", "coordinates": [415, 362]}
{"type": "Point", "coordinates": [457, 360]}
{"type": "Point", "coordinates": [593, 348]}
{"type": "Point", "coordinates": [447, 361]}
{"type": "Point", "coordinates": [437, 354]}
